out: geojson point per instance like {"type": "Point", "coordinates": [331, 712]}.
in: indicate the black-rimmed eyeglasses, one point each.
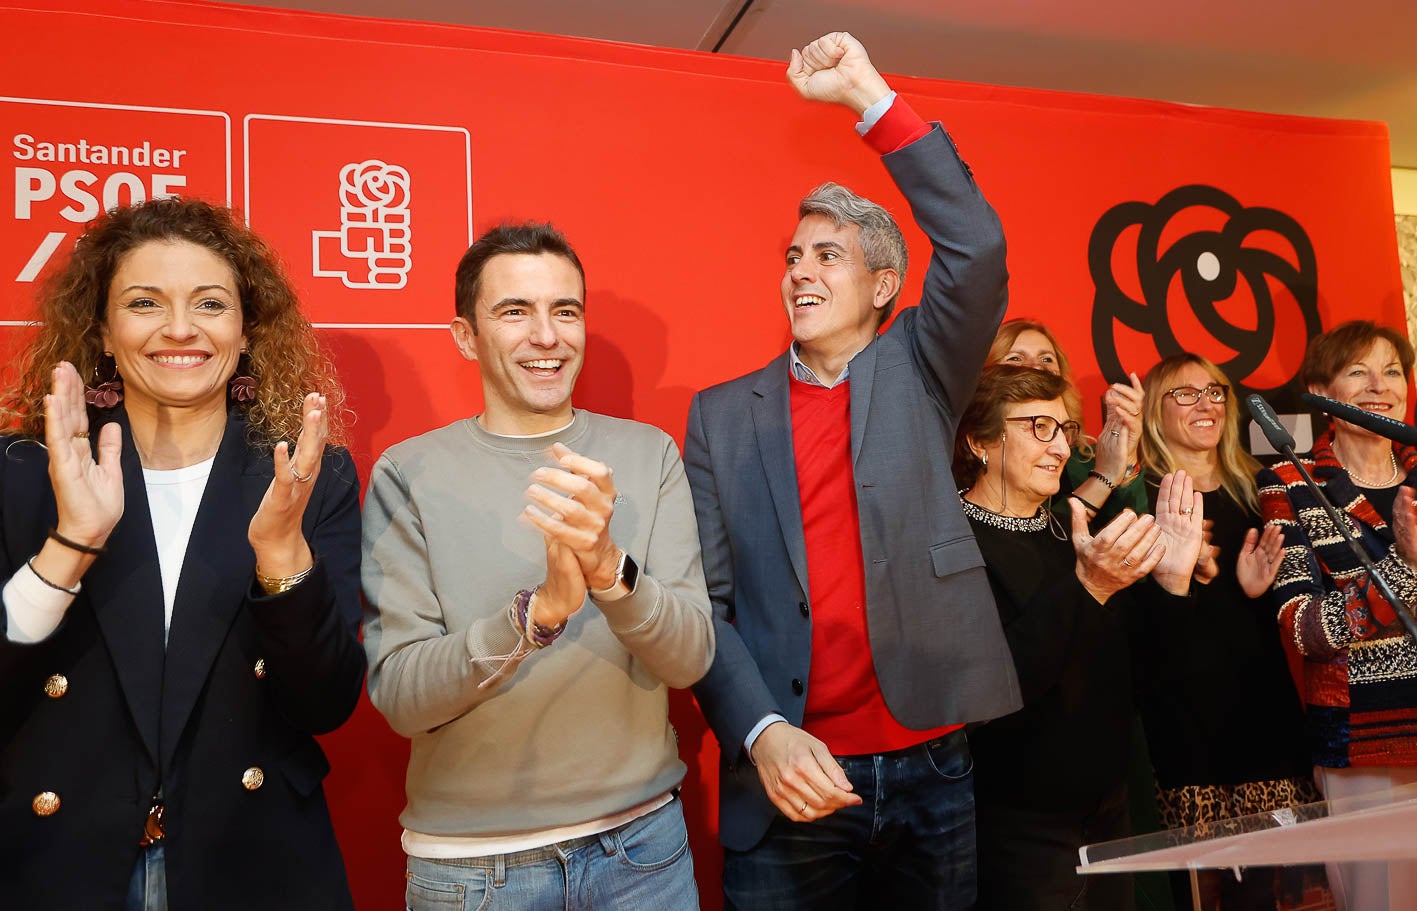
{"type": "Point", "coordinates": [1189, 395]}
{"type": "Point", "coordinates": [1046, 427]}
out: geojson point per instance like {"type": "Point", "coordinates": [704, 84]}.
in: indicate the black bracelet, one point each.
{"type": "Point", "coordinates": [54, 585]}
{"type": "Point", "coordinates": [1085, 503]}
{"type": "Point", "coordinates": [75, 545]}
{"type": "Point", "coordinates": [1103, 478]}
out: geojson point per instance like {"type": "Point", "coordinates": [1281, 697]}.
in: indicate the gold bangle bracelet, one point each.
{"type": "Point", "coordinates": [275, 585]}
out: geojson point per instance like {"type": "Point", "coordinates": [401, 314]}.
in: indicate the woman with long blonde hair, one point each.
{"type": "Point", "coordinates": [1223, 722]}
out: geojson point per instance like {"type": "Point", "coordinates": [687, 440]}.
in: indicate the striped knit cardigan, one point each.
{"type": "Point", "coordinates": [1359, 670]}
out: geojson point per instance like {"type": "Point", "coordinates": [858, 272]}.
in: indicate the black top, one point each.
{"type": "Point", "coordinates": [1068, 747]}
{"type": "Point", "coordinates": [1214, 689]}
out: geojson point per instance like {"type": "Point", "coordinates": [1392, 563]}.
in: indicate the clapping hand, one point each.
{"type": "Point", "coordinates": [275, 531]}
{"type": "Point", "coordinates": [1180, 514]}
{"type": "Point", "coordinates": [1118, 555]}
{"type": "Point", "coordinates": [1257, 564]}
{"type": "Point", "coordinates": [89, 494]}
{"type": "Point", "coordinates": [572, 503]}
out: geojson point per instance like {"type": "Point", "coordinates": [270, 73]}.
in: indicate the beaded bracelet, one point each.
{"type": "Point", "coordinates": [1103, 478]}
{"type": "Point", "coordinates": [538, 634]}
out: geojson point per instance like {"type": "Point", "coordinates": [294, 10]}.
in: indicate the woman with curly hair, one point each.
{"type": "Point", "coordinates": [180, 550]}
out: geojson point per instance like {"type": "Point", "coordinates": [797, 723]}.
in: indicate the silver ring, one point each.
{"type": "Point", "coordinates": [1126, 562]}
{"type": "Point", "coordinates": [1188, 510]}
{"type": "Point", "coordinates": [803, 809]}
{"type": "Point", "coordinates": [1116, 433]}
{"type": "Point", "coordinates": [300, 479]}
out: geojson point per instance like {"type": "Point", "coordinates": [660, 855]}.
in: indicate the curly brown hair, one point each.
{"type": "Point", "coordinates": [285, 359]}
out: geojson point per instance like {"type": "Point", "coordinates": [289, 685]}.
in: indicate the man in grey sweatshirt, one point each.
{"type": "Point", "coordinates": [527, 609]}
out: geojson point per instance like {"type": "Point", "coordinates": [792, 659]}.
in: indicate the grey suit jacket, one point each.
{"type": "Point", "coordinates": [936, 641]}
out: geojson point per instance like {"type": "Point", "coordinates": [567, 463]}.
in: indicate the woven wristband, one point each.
{"type": "Point", "coordinates": [538, 634]}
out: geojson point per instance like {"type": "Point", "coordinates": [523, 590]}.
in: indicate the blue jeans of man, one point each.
{"type": "Point", "coordinates": [910, 844]}
{"type": "Point", "coordinates": [643, 864]}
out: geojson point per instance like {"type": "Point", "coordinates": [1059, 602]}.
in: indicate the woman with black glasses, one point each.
{"type": "Point", "coordinates": [1223, 723]}
{"type": "Point", "coordinates": [1052, 776]}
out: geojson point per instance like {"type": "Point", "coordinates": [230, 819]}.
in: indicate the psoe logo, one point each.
{"type": "Point", "coordinates": [373, 247]}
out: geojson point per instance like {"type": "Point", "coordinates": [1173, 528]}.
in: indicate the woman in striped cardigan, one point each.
{"type": "Point", "coordinates": [1356, 670]}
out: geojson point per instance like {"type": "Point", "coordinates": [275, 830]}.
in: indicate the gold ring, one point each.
{"type": "Point", "coordinates": [300, 479]}
{"type": "Point", "coordinates": [81, 434]}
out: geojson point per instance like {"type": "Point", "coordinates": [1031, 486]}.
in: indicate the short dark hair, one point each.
{"type": "Point", "coordinates": [983, 420]}
{"type": "Point", "coordinates": [530, 237]}
{"type": "Point", "coordinates": [1343, 344]}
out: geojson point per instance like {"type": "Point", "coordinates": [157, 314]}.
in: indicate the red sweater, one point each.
{"type": "Point", "coordinates": [845, 708]}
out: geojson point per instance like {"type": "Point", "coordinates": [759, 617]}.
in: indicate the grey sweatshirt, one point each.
{"type": "Point", "coordinates": [573, 732]}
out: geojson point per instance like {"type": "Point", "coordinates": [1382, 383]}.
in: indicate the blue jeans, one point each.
{"type": "Point", "coordinates": [643, 864]}
{"type": "Point", "coordinates": [147, 890]}
{"type": "Point", "coordinates": [909, 845]}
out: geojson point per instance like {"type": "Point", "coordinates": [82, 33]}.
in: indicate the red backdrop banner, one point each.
{"type": "Point", "coordinates": [369, 152]}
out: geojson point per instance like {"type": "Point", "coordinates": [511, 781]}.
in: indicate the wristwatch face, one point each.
{"type": "Point", "coordinates": [630, 572]}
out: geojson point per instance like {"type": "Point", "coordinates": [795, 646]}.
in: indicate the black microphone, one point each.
{"type": "Point", "coordinates": [1273, 431]}
{"type": "Point", "coordinates": [1280, 439]}
{"type": "Point", "coordinates": [1380, 424]}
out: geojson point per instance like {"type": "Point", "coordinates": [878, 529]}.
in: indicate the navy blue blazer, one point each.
{"type": "Point", "coordinates": [939, 651]}
{"type": "Point", "coordinates": [192, 718]}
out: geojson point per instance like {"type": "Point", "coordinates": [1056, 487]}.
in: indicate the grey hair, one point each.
{"type": "Point", "coordinates": [881, 240]}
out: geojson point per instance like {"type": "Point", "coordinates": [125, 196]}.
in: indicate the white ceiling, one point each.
{"type": "Point", "coordinates": [1312, 57]}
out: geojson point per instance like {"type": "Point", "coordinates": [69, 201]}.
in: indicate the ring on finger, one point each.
{"type": "Point", "coordinates": [802, 809]}
{"type": "Point", "coordinates": [298, 477]}
{"type": "Point", "coordinates": [1116, 433]}
{"type": "Point", "coordinates": [1188, 510]}
{"type": "Point", "coordinates": [81, 434]}
{"type": "Point", "coordinates": [1126, 562]}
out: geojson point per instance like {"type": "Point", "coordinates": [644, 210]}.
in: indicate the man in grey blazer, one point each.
{"type": "Point", "coordinates": [856, 630]}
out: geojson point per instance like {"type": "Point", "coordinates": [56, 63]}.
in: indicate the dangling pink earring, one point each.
{"type": "Point", "coordinates": [242, 387]}
{"type": "Point", "coordinates": [106, 389]}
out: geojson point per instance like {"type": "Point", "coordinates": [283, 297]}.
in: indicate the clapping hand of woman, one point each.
{"type": "Point", "coordinates": [1118, 555]}
{"type": "Point", "coordinates": [1121, 430]}
{"type": "Point", "coordinates": [1180, 514]}
{"type": "Point", "coordinates": [1208, 563]}
{"type": "Point", "coordinates": [275, 531]}
{"type": "Point", "coordinates": [88, 494]}
{"type": "Point", "coordinates": [1257, 564]}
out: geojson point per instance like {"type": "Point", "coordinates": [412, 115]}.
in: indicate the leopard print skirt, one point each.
{"type": "Point", "coordinates": [1196, 805]}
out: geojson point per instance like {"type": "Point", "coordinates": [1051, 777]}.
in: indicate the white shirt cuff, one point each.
{"type": "Point", "coordinates": [874, 113]}
{"type": "Point", "coordinates": [33, 610]}
{"type": "Point", "coordinates": [758, 728]}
